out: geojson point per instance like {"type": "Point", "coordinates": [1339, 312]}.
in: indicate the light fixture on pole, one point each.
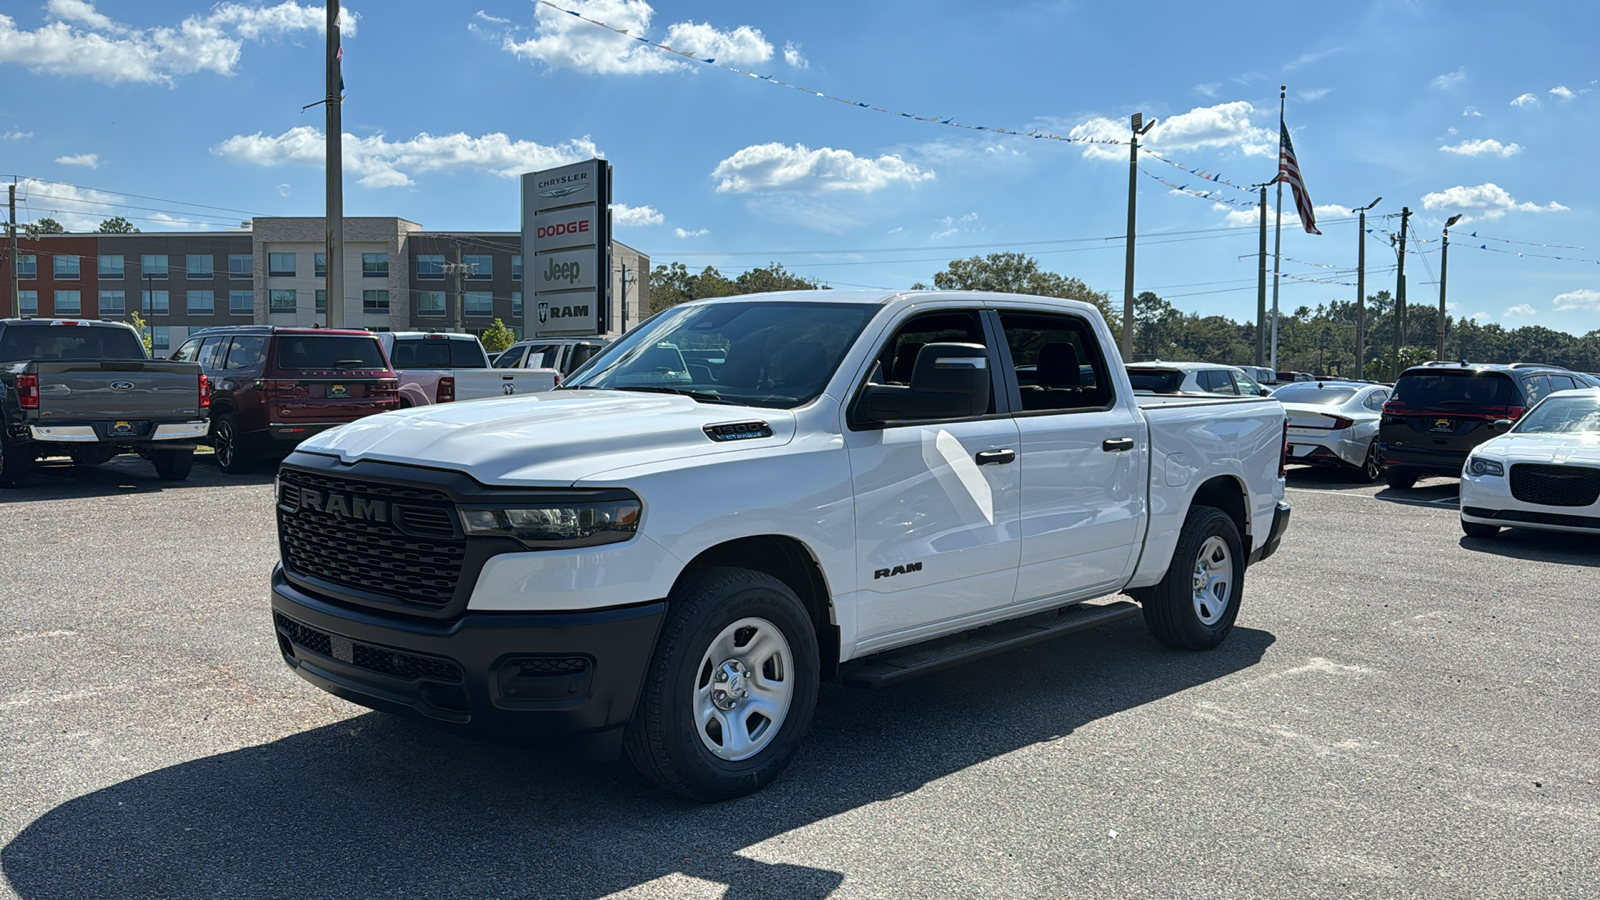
{"type": "Point", "coordinates": [1444, 268]}
{"type": "Point", "coordinates": [1139, 128]}
{"type": "Point", "coordinates": [1361, 289]}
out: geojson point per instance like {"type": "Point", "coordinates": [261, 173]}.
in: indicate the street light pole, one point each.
{"type": "Point", "coordinates": [1139, 128]}
{"type": "Point", "coordinates": [1361, 290]}
{"type": "Point", "coordinates": [1444, 268]}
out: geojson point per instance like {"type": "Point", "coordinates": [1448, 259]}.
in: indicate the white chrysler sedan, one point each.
{"type": "Point", "coordinates": [1543, 473]}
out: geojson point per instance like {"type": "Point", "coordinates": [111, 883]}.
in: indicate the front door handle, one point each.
{"type": "Point", "coordinates": [1112, 445]}
{"type": "Point", "coordinates": [996, 457]}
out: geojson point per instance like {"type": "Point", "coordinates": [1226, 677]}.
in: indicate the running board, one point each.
{"type": "Point", "coordinates": [894, 666]}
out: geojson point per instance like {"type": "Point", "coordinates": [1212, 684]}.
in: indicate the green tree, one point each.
{"type": "Point", "coordinates": [137, 321]}
{"type": "Point", "coordinates": [774, 278]}
{"type": "Point", "coordinates": [46, 225]}
{"type": "Point", "coordinates": [497, 337]}
{"type": "Point", "coordinates": [674, 284]}
{"type": "Point", "coordinates": [116, 225]}
{"type": "Point", "coordinates": [1017, 273]}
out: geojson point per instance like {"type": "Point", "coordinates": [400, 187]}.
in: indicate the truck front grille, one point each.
{"type": "Point", "coordinates": [1555, 485]}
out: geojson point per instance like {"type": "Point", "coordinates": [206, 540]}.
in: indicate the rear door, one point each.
{"type": "Point", "coordinates": [1081, 453]}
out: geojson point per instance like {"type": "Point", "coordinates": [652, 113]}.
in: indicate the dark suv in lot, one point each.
{"type": "Point", "coordinates": [273, 387]}
{"type": "Point", "coordinates": [1439, 412]}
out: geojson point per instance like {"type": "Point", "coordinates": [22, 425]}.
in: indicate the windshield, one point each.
{"type": "Point", "coordinates": [1160, 381]}
{"type": "Point", "coordinates": [1314, 393]}
{"type": "Point", "coordinates": [69, 342]}
{"type": "Point", "coordinates": [777, 354]}
{"type": "Point", "coordinates": [333, 351]}
{"type": "Point", "coordinates": [1453, 388]}
{"type": "Point", "coordinates": [1562, 415]}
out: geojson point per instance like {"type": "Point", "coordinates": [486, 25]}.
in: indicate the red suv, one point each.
{"type": "Point", "coordinates": [272, 387]}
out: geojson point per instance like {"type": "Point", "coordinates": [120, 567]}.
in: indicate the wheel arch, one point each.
{"type": "Point", "coordinates": [792, 562]}
{"type": "Point", "coordinates": [1227, 493]}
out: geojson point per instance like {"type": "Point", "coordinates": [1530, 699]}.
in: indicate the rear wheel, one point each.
{"type": "Point", "coordinates": [16, 464]}
{"type": "Point", "coordinates": [1400, 479]}
{"type": "Point", "coordinates": [173, 465]}
{"type": "Point", "coordinates": [1372, 467]}
{"type": "Point", "coordinates": [225, 442]}
{"type": "Point", "coordinates": [1195, 605]}
{"type": "Point", "coordinates": [1479, 530]}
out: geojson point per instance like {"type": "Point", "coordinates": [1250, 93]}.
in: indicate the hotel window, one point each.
{"type": "Point", "coordinates": [202, 303]}
{"type": "Point", "coordinates": [374, 265]}
{"type": "Point", "coordinates": [479, 268]}
{"type": "Point", "coordinates": [113, 303]}
{"type": "Point", "coordinates": [241, 265]}
{"type": "Point", "coordinates": [319, 265]}
{"type": "Point", "coordinates": [199, 265]}
{"type": "Point", "coordinates": [69, 303]}
{"type": "Point", "coordinates": [321, 301]}
{"type": "Point", "coordinates": [110, 267]}
{"type": "Point", "coordinates": [430, 303]}
{"type": "Point", "coordinates": [241, 303]}
{"type": "Point", "coordinates": [375, 301]}
{"type": "Point", "coordinates": [478, 303]}
{"type": "Point", "coordinates": [28, 303]}
{"type": "Point", "coordinates": [156, 303]}
{"type": "Point", "coordinates": [160, 338]}
{"type": "Point", "coordinates": [66, 267]}
{"type": "Point", "coordinates": [516, 267]}
{"type": "Point", "coordinates": [28, 266]}
{"type": "Point", "coordinates": [430, 267]}
{"type": "Point", "coordinates": [282, 301]}
{"type": "Point", "coordinates": [153, 265]}
{"type": "Point", "coordinates": [280, 265]}
{"type": "Point", "coordinates": [516, 305]}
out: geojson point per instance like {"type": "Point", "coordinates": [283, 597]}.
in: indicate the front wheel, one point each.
{"type": "Point", "coordinates": [173, 465]}
{"type": "Point", "coordinates": [1479, 529]}
{"type": "Point", "coordinates": [731, 689]}
{"type": "Point", "coordinates": [1195, 605]}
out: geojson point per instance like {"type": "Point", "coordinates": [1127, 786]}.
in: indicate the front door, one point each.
{"type": "Point", "coordinates": [936, 502]}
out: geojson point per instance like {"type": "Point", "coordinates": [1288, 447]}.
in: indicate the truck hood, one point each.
{"type": "Point", "coordinates": [549, 439]}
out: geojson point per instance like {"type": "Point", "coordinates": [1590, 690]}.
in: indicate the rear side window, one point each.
{"type": "Point", "coordinates": [1454, 388]}
{"type": "Point", "coordinates": [1057, 362]}
{"type": "Point", "coordinates": [69, 342]}
{"type": "Point", "coordinates": [512, 358]}
{"type": "Point", "coordinates": [434, 353]}
{"type": "Point", "coordinates": [246, 353]}
{"type": "Point", "coordinates": [1217, 381]}
{"type": "Point", "coordinates": [213, 353]}
{"type": "Point", "coordinates": [333, 351]}
{"type": "Point", "coordinates": [1160, 381]}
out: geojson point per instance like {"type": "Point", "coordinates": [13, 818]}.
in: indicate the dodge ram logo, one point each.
{"type": "Point", "coordinates": [332, 504]}
{"type": "Point", "coordinates": [508, 388]}
{"type": "Point", "coordinates": [544, 312]}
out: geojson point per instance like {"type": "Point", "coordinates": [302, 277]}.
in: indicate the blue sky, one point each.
{"type": "Point", "coordinates": [1487, 110]}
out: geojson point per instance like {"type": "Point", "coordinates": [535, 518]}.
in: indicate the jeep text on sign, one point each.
{"type": "Point", "coordinates": [567, 270]}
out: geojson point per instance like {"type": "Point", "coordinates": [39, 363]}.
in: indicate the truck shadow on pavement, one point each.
{"type": "Point", "coordinates": [1538, 546]}
{"type": "Point", "coordinates": [380, 806]}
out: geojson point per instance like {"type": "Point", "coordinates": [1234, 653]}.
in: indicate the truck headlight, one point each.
{"type": "Point", "coordinates": [1480, 466]}
{"type": "Point", "coordinates": [556, 525]}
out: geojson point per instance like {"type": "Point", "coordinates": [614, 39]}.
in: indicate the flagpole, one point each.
{"type": "Point", "coordinates": [1277, 241]}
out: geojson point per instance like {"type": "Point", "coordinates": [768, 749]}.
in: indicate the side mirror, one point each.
{"type": "Point", "coordinates": [1501, 426]}
{"type": "Point", "coordinates": [948, 381]}
{"type": "Point", "coordinates": [1264, 391]}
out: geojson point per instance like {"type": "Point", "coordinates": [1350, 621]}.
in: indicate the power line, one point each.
{"type": "Point", "coordinates": [137, 196]}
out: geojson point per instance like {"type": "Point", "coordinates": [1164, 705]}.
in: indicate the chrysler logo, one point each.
{"type": "Point", "coordinates": [563, 191]}
{"type": "Point", "coordinates": [122, 385]}
{"type": "Point", "coordinates": [349, 507]}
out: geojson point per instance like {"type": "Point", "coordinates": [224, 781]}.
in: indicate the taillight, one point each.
{"type": "Point", "coordinates": [1340, 422]}
{"type": "Point", "coordinates": [1515, 412]}
{"type": "Point", "coordinates": [447, 390]}
{"type": "Point", "coordinates": [205, 391]}
{"type": "Point", "coordinates": [28, 391]}
{"type": "Point", "coordinates": [558, 379]}
{"type": "Point", "coordinates": [385, 386]}
{"type": "Point", "coordinates": [1283, 456]}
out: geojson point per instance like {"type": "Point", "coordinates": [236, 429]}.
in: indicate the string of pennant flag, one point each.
{"type": "Point", "coordinates": [1215, 196]}
{"type": "Point", "coordinates": [1208, 175]}
{"type": "Point", "coordinates": [950, 121]}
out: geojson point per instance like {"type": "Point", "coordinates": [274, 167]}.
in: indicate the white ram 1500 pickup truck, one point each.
{"type": "Point", "coordinates": [746, 496]}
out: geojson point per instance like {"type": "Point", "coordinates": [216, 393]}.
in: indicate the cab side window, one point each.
{"type": "Point", "coordinates": [899, 354]}
{"type": "Point", "coordinates": [1057, 361]}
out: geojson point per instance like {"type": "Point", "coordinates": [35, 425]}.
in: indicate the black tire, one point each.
{"type": "Point", "coordinates": [1372, 467]}
{"type": "Point", "coordinates": [225, 444]}
{"type": "Point", "coordinates": [1479, 529]}
{"type": "Point", "coordinates": [16, 464]}
{"type": "Point", "coordinates": [1400, 479]}
{"type": "Point", "coordinates": [666, 742]}
{"type": "Point", "coordinates": [173, 465]}
{"type": "Point", "coordinates": [89, 457]}
{"type": "Point", "coordinates": [1171, 609]}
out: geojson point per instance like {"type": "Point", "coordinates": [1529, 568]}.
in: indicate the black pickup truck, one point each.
{"type": "Point", "coordinates": [88, 390]}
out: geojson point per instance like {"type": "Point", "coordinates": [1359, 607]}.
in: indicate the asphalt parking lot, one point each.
{"type": "Point", "coordinates": [1402, 711]}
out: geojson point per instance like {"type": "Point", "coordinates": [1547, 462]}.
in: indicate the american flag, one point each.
{"type": "Point", "coordinates": [1289, 171]}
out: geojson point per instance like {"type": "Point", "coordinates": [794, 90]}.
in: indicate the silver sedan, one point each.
{"type": "Point", "coordinates": [1335, 423]}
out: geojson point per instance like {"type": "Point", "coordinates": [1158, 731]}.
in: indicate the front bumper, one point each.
{"type": "Point", "coordinates": [549, 674]}
{"type": "Point", "coordinates": [1280, 524]}
{"type": "Point", "coordinates": [1487, 499]}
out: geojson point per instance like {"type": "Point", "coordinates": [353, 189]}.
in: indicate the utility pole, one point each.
{"type": "Point", "coordinates": [460, 296]}
{"type": "Point", "coordinates": [1261, 283]}
{"type": "Point", "coordinates": [1444, 268]}
{"type": "Point", "coordinates": [1400, 295]}
{"type": "Point", "coordinates": [624, 329]}
{"type": "Point", "coordinates": [1361, 290]}
{"type": "Point", "coordinates": [16, 294]}
{"type": "Point", "coordinates": [1139, 128]}
{"type": "Point", "coordinates": [1277, 240]}
{"type": "Point", "coordinates": [335, 173]}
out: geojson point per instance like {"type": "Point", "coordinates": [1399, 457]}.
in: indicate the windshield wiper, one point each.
{"type": "Point", "coordinates": [700, 396]}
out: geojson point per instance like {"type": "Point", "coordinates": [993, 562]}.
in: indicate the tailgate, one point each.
{"type": "Point", "coordinates": [478, 384]}
{"type": "Point", "coordinates": [118, 389]}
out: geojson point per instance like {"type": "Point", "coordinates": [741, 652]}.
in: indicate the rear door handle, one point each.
{"type": "Point", "coordinates": [1112, 445]}
{"type": "Point", "coordinates": [996, 457]}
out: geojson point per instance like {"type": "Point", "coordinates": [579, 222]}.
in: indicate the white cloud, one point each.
{"type": "Point", "coordinates": [1525, 100]}
{"type": "Point", "coordinates": [77, 209]}
{"type": "Point", "coordinates": [81, 41]}
{"type": "Point", "coordinates": [1521, 309]}
{"type": "Point", "coordinates": [16, 135]}
{"type": "Point", "coordinates": [176, 223]}
{"type": "Point", "coordinates": [1209, 127]}
{"type": "Point", "coordinates": [793, 56]}
{"type": "Point", "coordinates": [949, 225]}
{"type": "Point", "coordinates": [87, 160]}
{"type": "Point", "coordinates": [623, 214]}
{"type": "Point", "coordinates": [1251, 215]}
{"type": "Point", "coordinates": [284, 189]}
{"type": "Point", "coordinates": [698, 232]}
{"type": "Point", "coordinates": [763, 168]}
{"type": "Point", "coordinates": [381, 162]}
{"type": "Point", "coordinates": [1488, 201]}
{"type": "Point", "coordinates": [1563, 92]}
{"type": "Point", "coordinates": [1449, 80]}
{"type": "Point", "coordinates": [1306, 59]}
{"type": "Point", "coordinates": [1480, 147]}
{"type": "Point", "coordinates": [1209, 89]}
{"type": "Point", "coordinates": [1579, 299]}
{"type": "Point", "coordinates": [1472, 111]}
{"type": "Point", "coordinates": [563, 41]}
{"type": "Point", "coordinates": [1479, 315]}
{"type": "Point", "coordinates": [482, 16]}
{"type": "Point", "coordinates": [1313, 95]}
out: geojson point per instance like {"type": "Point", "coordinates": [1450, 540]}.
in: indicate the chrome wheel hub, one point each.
{"type": "Point", "coordinates": [743, 689]}
{"type": "Point", "coordinates": [1213, 580]}
{"type": "Point", "coordinates": [728, 686]}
